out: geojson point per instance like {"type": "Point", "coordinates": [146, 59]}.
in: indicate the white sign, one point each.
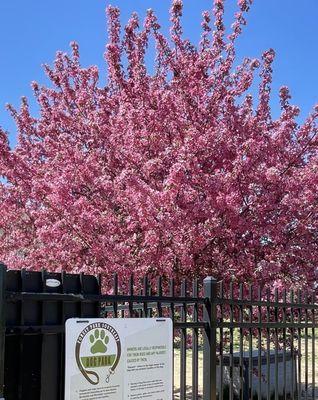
{"type": "Point", "coordinates": [119, 359]}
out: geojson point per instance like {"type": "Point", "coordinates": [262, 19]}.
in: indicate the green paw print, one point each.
{"type": "Point", "coordinates": [99, 340]}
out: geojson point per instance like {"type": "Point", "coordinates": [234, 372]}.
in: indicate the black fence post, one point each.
{"type": "Point", "coordinates": [209, 339]}
{"type": "Point", "coordinates": [3, 270]}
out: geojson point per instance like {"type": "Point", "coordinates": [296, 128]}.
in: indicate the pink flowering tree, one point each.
{"type": "Point", "coordinates": [179, 172]}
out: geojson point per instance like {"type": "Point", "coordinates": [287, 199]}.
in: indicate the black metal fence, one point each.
{"type": "Point", "coordinates": [235, 344]}
{"type": "Point", "coordinates": [266, 344]}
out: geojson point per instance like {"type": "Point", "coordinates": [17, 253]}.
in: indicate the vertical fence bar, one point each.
{"type": "Point", "coordinates": [171, 294]}
{"type": "Point", "coordinates": [159, 294]}
{"type": "Point", "coordinates": [306, 345]}
{"type": "Point", "coordinates": [231, 355]}
{"type": "Point", "coordinates": [81, 280]}
{"type": "Point", "coordinates": [100, 285]}
{"type": "Point", "coordinates": [50, 362]}
{"type": "Point", "coordinates": [131, 293]}
{"type": "Point", "coordinates": [276, 344]}
{"type": "Point", "coordinates": [292, 349]}
{"type": "Point", "coordinates": [171, 313]}
{"type": "Point", "coordinates": [259, 338]}
{"type": "Point", "coordinates": [250, 343]}
{"type": "Point", "coordinates": [22, 309]}
{"type": "Point", "coordinates": [195, 366]}
{"type": "Point", "coordinates": [313, 347]}
{"type": "Point", "coordinates": [3, 271]}
{"type": "Point", "coordinates": [209, 339]}
{"type": "Point", "coordinates": [299, 352]}
{"type": "Point", "coordinates": [62, 340]}
{"type": "Point", "coordinates": [284, 346]}
{"type": "Point", "coordinates": [268, 348]}
{"type": "Point", "coordinates": [150, 293]}
{"type": "Point", "coordinates": [115, 291]}
{"type": "Point", "coordinates": [221, 363]}
{"type": "Point", "coordinates": [183, 346]}
{"type": "Point", "coordinates": [145, 294]}
{"type": "Point", "coordinates": [241, 346]}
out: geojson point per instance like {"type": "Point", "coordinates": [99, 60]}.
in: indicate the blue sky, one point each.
{"type": "Point", "coordinates": [32, 31]}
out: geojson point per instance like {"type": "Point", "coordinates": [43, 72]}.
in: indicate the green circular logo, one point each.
{"type": "Point", "coordinates": [97, 348]}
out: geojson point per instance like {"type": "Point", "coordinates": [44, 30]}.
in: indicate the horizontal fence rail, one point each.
{"type": "Point", "coordinates": [235, 342]}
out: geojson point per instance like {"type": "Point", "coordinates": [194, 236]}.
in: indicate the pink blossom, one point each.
{"type": "Point", "coordinates": [179, 172]}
